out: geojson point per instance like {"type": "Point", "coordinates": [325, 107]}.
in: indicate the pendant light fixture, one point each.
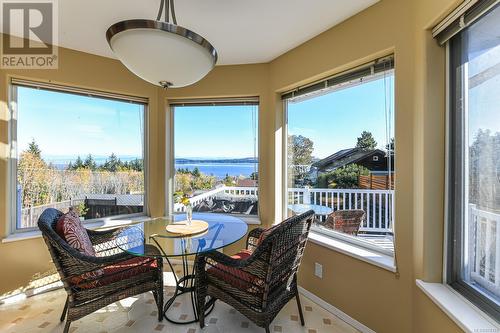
{"type": "Point", "coordinates": [160, 52]}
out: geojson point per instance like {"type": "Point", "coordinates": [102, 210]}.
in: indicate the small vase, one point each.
{"type": "Point", "coordinates": [189, 214]}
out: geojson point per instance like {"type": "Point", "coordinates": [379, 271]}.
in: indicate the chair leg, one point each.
{"type": "Point", "coordinates": [66, 327]}
{"type": "Point", "coordinates": [63, 315]}
{"type": "Point", "coordinates": [300, 308]}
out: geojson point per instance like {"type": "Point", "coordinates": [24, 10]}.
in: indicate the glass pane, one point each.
{"type": "Point", "coordinates": [78, 152]}
{"type": "Point", "coordinates": [216, 163]}
{"type": "Point", "coordinates": [340, 159]}
{"type": "Point", "coordinates": [481, 262]}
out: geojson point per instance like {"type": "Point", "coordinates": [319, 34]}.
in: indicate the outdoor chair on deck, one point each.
{"type": "Point", "coordinates": [104, 276]}
{"type": "Point", "coordinates": [346, 221]}
{"type": "Point", "coordinates": [260, 280]}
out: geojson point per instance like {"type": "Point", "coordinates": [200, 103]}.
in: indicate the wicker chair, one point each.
{"type": "Point", "coordinates": [262, 279]}
{"type": "Point", "coordinates": [345, 221]}
{"type": "Point", "coordinates": [93, 282]}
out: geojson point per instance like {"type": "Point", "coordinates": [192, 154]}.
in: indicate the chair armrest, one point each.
{"type": "Point", "coordinates": [253, 238]}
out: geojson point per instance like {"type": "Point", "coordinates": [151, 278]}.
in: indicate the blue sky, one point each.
{"type": "Point", "coordinates": [69, 125]}
{"type": "Point", "coordinates": [335, 120]}
{"type": "Point", "coordinates": [215, 131]}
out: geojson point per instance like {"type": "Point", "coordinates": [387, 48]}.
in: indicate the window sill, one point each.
{"type": "Point", "coordinates": [96, 224]}
{"type": "Point", "coordinates": [466, 315]}
{"type": "Point", "coordinates": [372, 257]}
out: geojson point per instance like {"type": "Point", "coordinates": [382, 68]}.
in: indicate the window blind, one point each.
{"type": "Point", "coordinates": [462, 17]}
{"type": "Point", "coordinates": [215, 101]}
{"type": "Point", "coordinates": [78, 91]}
{"type": "Point", "coordinates": [378, 66]}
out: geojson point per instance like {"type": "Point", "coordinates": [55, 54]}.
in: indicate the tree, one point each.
{"type": "Point", "coordinates": [484, 170]}
{"type": "Point", "coordinates": [78, 163]}
{"type": "Point", "coordinates": [112, 163]}
{"type": "Point", "coordinates": [366, 141]}
{"type": "Point", "coordinates": [33, 149]}
{"type": "Point", "coordinates": [300, 151]}
{"type": "Point", "coordinates": [390, 146]}
{"type": "Point", "coordinates": [254, 176]}
{"type": "Point", "coordinates": [89, 163]}
{"type": "Point", "coordinates": [196, 172]}
{"type": "Point", "coordinates": [344, 177]}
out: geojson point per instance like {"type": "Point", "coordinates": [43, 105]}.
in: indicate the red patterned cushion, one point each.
{"type": "Point", "coordinates": [237, 277]}
{"type": "Point", "coordinates": [118, 272]}
{"type": "Point", "coordinates": [72, 231]}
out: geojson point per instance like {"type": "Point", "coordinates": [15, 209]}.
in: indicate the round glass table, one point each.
{"type": "Point", "coordinates": [223, 230]}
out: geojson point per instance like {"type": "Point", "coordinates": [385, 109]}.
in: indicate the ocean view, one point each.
{"type": "Point", "coordinates": [220, 170]}
{"type": "Point", "coordinates": [215, 167]}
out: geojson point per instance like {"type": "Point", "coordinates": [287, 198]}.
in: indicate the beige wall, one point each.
{"type": "Point", "coordinates": [382, 300]}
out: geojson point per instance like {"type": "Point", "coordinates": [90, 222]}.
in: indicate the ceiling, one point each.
{"type": "Point", "coordinates": [243, 32]}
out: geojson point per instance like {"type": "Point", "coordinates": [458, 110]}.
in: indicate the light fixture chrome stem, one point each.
{"type": "Point", "coordinates": [167, 8]}
{"type": "Point", "coordinates": [168, 55]}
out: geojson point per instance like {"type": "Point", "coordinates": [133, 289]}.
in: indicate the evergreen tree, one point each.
{"type": "Point", "coordinates": [78, 163]}
{"type": "Point", "coordinates": [366, 141]}
{"type": "Point", "coordinates": [34, 149]}
{"type": "Point", "coordinates": [89, 163]}
{"type": "Point", "coordinates": [112, 164]}
{"type": "Point", "coordinates": [196, 172]}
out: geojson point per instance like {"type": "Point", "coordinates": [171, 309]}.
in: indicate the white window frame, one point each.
{"type": "Point", "coordinates": [13, 149]}
{"type": "Point", "coordinates": [334, 235]}
{"type": "Point", "coordinates": [170, 147]}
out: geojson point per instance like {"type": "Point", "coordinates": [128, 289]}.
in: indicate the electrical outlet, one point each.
{"type": "Point", "coordinates": [318, 270]}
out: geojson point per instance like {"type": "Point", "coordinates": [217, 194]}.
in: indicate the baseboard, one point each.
{"type": "Point", "coordinates": [330, 308]}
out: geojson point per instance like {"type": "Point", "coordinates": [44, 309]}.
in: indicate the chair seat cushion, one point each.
{"type": "Point", "coordinates": [236, 277]}
{"type": "Point", "coordinates": [117, 272]}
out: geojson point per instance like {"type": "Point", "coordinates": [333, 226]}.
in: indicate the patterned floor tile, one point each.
{"type": "Point", "coordinates": [139, 314]}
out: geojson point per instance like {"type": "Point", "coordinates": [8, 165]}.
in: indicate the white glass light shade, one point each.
{"type": "Point", "coordinates": [161, 53]}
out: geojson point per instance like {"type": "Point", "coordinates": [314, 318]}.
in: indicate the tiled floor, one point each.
{"type": "Point", "coordinates": [138, 314]}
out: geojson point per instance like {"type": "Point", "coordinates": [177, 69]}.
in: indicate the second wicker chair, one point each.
{"type": "Point", "coordinates": [260, 280]}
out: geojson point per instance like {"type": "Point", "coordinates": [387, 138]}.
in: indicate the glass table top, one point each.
{"type": "Point", "coordinates": [223, 230]}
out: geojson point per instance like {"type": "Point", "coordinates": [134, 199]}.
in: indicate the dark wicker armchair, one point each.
{"type": "Point", "coordinates": [93, 282]}
{"type": "Point", "coordinates": [260, 280]}
{"type": "Point", "coordinates": [346, 221]}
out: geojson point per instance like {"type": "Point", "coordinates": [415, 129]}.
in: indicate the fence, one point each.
{"type": "Point", "coordinates": [376, 182]}
{"type": "Point", "coordinates": [484, 248]}
{"type": "Point", "coordinates": [30, 215]}
{"type": "Point", "coordinates": [378, 204]}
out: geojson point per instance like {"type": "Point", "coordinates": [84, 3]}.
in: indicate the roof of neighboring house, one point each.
{"type": "Point", "coordinates": [344, 157]}
{"type": "Point", "coordinates": [246, 183]}
{"type": "Point", "coordinates": [121, 199]}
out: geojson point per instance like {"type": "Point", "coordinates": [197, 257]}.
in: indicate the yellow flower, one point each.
{"type": "Point", "coordinates": [185, 201]}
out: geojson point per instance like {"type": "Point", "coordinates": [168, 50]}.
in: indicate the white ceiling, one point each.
{"type": "Point", "coordinates": [242, 31]}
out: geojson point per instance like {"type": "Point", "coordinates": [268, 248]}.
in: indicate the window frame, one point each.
{"type": "Point", "coordinates": [13, 85]}
{"type": "Point", "coordinates": [354, 76]}
{"type": "Point", "coordinates": [457, 176]}
{"type": "Point", "coordinates": [170, 146]}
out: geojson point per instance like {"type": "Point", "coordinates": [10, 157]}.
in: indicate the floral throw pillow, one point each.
{"type": "Point", "coordinates": [72, 231]}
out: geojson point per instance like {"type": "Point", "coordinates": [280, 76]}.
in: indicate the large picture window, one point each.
{"type": "Point", "coordinates": [75, 151]}
{"type": "Point", "coordinates": [340, 159]}
{"type": "Point", "coordinates": [216, 157]}
{"type": "Point", "coordinates": [474, 173]}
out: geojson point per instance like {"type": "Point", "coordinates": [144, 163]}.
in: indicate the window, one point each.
{"type": "Point", "coordinates": [75, 150]}
{"type": "Point", "coordinates": [473, 264]}
{"type": "Point", "coordinates": [340, 155]}
{"type": "Point", "coordinates": [216, 163]}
